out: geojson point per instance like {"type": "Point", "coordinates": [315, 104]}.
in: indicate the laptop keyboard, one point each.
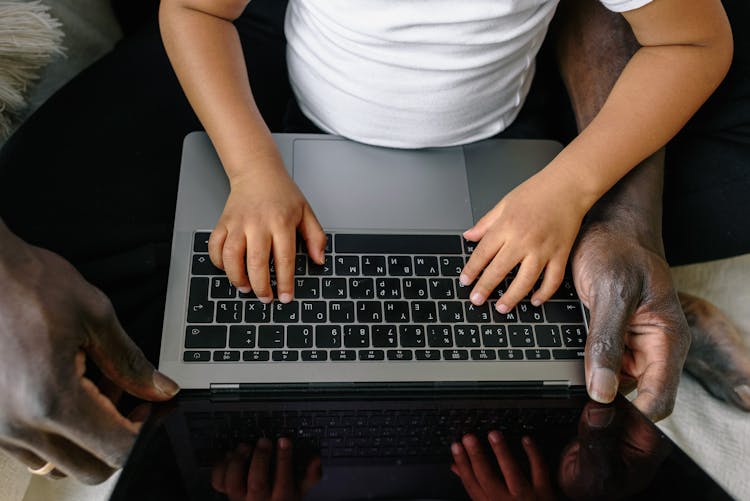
{"type": "Point", "coordinates": [377, 298]}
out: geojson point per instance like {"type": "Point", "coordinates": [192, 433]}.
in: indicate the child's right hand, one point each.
{"type": "Point", "coordinates": [261, 216]}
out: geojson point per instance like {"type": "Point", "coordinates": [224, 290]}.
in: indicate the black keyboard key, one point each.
{"type": "Point", "coordinates": [285, 356]}
{"type": "Point", "coordinates": [347, 265]}
{"type": "Point", "coordinates": [479, 314]}
{"type": "Point", "coordinates": [483, 354]}
{"type": "Point", "coordinates": [396, 311]}
{"type": "Point", "coordinates": [299, 336]}
{"type": "Point", "coordinates": [334, 288]}
{"type": "Point", "coordinates": [361, 288]}
{"type": "Point", "coordinates": [400, 266]}
{"type": "Point", "coordinates": [373, 266]}
{"type": "Point", "coordinates": [469, 246]}
{"type": "Point", "coordinates": [423, 312]}
{"type": "Point", "coordinates": [411, 336]}
{"type": "Point", "coordinates": [286, 313]}
{"type": "Point", "coordinates": [200, 241]}
{"type": "Point", "coordinates": [314, 355]}
{"type": "Point", "coordinates": [198, 292]}
{"type": "Point", "coordinates": [307, 288]}
{"type": "Point", "coordinates": [463, 291]}
{"type": "Point", "coordinates": [202, 265]}
{"type": "Point", "coordinates": [520, 336]}
{"type": "Point", "coordinates": [341, 312]}
{"type": "Point", "coordinates": [388, 288]}
{"type": "Point", "coordinates": [451, 311]}
{"type": "Point", "coordinates": [537, 354]}
{"type": "Point", "coordinates": [270, 336]}
{"type": "Point", "coordinates": [503, 318]}
{"type": "Point", "coordinates": [200, 312]}
{"type": "Point", "coordinates": [574, 336]}
{"type": "Point", "coordinates": [229, 312]}
{"type": "Point", "coordinates": [384, 336]}
{"type": "Point", "coordinates": [467, 336]}
{"type": "Point", "coordinates": [451, 266]}
{"type": "Point", "coordinates": [400, 355]}
{"type": "Point", "coordinates": [327, 336]}
{"type": "Point", "coordinates": [397, 244]}
{"type": "Point", "coordinates": [567, 354]}
{"type": "Point", "coordinates": [300, 264]}
{"type": "Point", "coordinates": [563, 312]}
{"type": "Point", "coordinates": [427, 354]}
{"type": "Point", "coordinates": [455, 355]}
{"type": "Point", "coordinates": [369, 312]}
{"type": "Point", "coordinates": [566, 290]}
{"type": "Point", "coordinates": [196, 356]}
{"type": "Point", "coordinates": [441, 288]}
{"type": "Point", "coordinates": [510, 354]}
{"type": "Point", "coordinates": [494, 336]}
{"type": "Point", "coordinates": [527, 312]}
{"type": "Point", "coordinates": [222, 288]}
{"type": "Point", "coordinates": [547, 335]}
{"type": "Point", "coordinates": [343, 355]}
{"type": "Point", "coordinates": [256, 356]}
{"type": "Point", "coordinates": [316, 269]}
{"type": "Point", "coordinates": [499, 289]}
{"type": "Point", "coordinates": [440, 336]}
{"type": "Point", "coordinates": [242, 336]}
{"type": "Point", "coordinates": [371, 355]}
{"type": "Point", "coordinates": [314, 311]}
{"type": "Point", "coordinates": [356, 336]}
{"type": "Point", "coordinates": [415, 288]}
{"type": "Point", "coordinates": [226, 356]}
{"type": "Point", "coordinates": [426, 266]}
{"type": "Point", "coordinates": [257, 312]}
{"type": "Point", "coordinates": [205, 336]}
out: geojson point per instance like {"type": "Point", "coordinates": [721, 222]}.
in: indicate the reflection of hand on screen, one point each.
{"type": "Point", "coordinates": [251, 474]}
{"type": "Point", "coordinates": [481, 479]}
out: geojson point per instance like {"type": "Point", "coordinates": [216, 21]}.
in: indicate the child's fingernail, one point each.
{"type": "Point", "coordinates": [265, 299]}
{"type": "Point", "coordinates": [245, 290]}
{"type": "Point", "coordinates": [455, 448]}
{"type": "Point", "coordinates": [502, 308]}
{"type": "Point", "coordinates": [463, 280]}
{"type": "Point", "coordinates": [477, 298]}
{"type": "Point", "coordinates": [285, 298]}
{"type": "Point", "coordinates": [536, 302]}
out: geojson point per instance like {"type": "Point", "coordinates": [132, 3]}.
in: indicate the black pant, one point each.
{"type": "Point", "coordinates": [93, 173]}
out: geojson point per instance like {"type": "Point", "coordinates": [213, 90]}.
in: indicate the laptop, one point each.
{"type": "Point", "coordinates": [387, 307]}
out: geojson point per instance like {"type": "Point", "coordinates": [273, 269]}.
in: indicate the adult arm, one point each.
{"type": "Point", "coordinates": [264, 206]}
{"type": "Point", "coordinates": [51, 320]}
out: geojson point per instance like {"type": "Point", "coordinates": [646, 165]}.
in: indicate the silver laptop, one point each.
{"type": "Point", "coordinates": [387, 306]}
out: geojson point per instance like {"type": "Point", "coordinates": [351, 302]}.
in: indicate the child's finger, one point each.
{"type": "Point", "coordinates": [539, 474]}
{"type": "Point", "coordinates": [483, 257]}
{"type": "Point", "coordinates": [496, 270]}
{"type": "Point", "coordinates": [284, 243]}
{"type": "Point", "coordinates": [553, 277]}
{"type": "Point", "coordinates": [233, 259]}
{"type": "Point", "coordinates": [476, 232]}
{"type": "Point", "coordinates": [283, 484]}
{"type": "Point", "coordinates": [258, 252]}
{"type": "Point", "coordinates": [524, 280]}
{"type": "Point", "coordinates": [487, 477]}
{"type": "Point", "coordinates": [465, 472]}
{"type": "Point", "coordinates": [514, 478]}
{"type": "Point", "coordinates": [312, 232]}
{"type": "Point", "coordinates": [216, 244]}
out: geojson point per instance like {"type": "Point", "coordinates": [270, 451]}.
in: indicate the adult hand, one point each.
{"type": "Point", "coordinates": [241, 482]}
{"type": "Point", "coordinates": [638, 335]}
{"type": "Point", "coordinates": [535, 225]}
{"type": "Point", "coordinates": [261, 216]}
{"type": "Point", "coordinates": [51, 319]}
{"type": "Point", "coordinates": [481, 479]}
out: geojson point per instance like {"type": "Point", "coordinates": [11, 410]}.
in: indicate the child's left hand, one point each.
{"type": "Point", "coordinates": [535, 225]}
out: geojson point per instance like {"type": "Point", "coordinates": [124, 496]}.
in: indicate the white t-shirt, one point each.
{"type": "Point", "coordinates": [416, 73]}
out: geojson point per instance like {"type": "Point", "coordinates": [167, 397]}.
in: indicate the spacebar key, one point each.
{"type": "Point", "coordinates": [347, 243]}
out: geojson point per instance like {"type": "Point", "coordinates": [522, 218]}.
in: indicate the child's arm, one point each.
{"type": "Point", "coordinates": [686, 51]}
{"type": "Point", "coordinates": [264, 206]}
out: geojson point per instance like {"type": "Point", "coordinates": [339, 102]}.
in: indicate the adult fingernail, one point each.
{"type": "Point", "coordinates": [245, 290]}
{"type": "Point", "coordinates": [603, 385]}
{"type": "Point", "coordinates": [600, 417]}
{"type": "Point", "coordinates": [285, 298]}
{"type": "Point", "coordinates": [463, 280]}
{"type": "Point", "coordinates": [164, 384]}
{"type": "Point", "coordinates": [743, 391]}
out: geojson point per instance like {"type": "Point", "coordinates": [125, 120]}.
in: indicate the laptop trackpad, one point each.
{"type": "Point", "coordinates": [354, 186]}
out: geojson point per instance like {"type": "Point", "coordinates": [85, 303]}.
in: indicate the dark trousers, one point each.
{"type": "Point", "coordinates": [93, 173]}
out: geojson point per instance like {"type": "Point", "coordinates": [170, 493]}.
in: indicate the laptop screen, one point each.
{"type": "Point", "coordinates": [386, 446]}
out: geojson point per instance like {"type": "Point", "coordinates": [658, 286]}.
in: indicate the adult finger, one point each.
{"type": "Point", "coordinates": [521, 284]}
{"type": "Point", "coordinates": [611, 308]}
{"type": "Point", "coordinates": [233, 258]}
{"type": "Point", "coordinates": [283, 484]}
{"type": "Point", "coordinates": [312, 232]}
{"type": "Point", "coordinates": [258, 253]}
{"type": "Point", "coordinates": [466, 473]}
{"type": "Point", "coordinates": [539, 473]}
{"type": "Point", "coordinates": [258, 487]}
{"type": "Point", "coordinates": [483, 472]}
{"type": "Point", "coordinates": [284, 242]}
{"type": "Point", "coordinates": [216, 245]}
{"type": "Point", "coordinates": [514, 479]}
{"type": "Point", "coordinates": [657, 389]}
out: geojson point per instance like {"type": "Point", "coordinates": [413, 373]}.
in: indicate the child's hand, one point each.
{"type": "Point", "coordinates": [535, 225]}
{"type": "Point", "coordinates": [261, 216]}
